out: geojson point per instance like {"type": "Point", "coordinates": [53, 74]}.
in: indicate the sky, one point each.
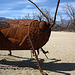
{"type": "Point", "coordinates": [19, 8]}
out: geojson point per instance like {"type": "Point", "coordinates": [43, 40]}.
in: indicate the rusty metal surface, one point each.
{"type": "Point", "coordinates": [20, 21]}
{"type": "Point", "coordinates": [4, 42]}
{"type": "Point", "coordinates": [39, 34]}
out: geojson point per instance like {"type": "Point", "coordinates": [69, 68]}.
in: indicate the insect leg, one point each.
{"type": "Point", "coordinates": [38, 51]}
{"type": "Point", "coordinates": [38, 64]}
{"type": "Point", "coordinates": [45, 52]}
{"type": "Point", "coordinates": [10, 53]}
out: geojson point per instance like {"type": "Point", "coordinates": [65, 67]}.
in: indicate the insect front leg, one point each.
{"type": "Point", "coordinates": [45, 52]}
{"type": "Point", "coordinates": [34, 52]}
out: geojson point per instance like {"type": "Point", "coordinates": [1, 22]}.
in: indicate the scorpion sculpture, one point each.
{"type": "Point", "coordinates": [27, 34]}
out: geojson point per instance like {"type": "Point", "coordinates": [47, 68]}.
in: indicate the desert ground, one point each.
{"type": "Point", "coordinates": [61, 47]}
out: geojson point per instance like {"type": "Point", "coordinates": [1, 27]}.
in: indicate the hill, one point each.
{"type": "Point", "coordinates": [3, 19]}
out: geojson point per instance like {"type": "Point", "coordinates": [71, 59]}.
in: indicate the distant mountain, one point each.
{"type": "Point", "coordinates": [3, 24]}
{"type": "Point", "coordinates": [3, 19]}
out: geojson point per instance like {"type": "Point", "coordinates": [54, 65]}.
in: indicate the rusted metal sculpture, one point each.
{"type": "Point", "coordinates": [27, 34]}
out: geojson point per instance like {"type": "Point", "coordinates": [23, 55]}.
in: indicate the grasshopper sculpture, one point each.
{"type": "Point", "coordinates": [27, 34]}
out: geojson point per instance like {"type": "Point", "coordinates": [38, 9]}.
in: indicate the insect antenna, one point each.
{"type": "Point", "coordinates": [55, 14]}
{"type": "Point", "coordinates": [40, 10]}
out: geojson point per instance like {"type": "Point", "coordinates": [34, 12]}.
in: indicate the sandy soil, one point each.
{"type": "Point", "coordinates": [61, 47]}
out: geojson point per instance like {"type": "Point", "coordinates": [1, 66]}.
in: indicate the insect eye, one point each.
{"type": "Point", "coordinates": [42, 25]}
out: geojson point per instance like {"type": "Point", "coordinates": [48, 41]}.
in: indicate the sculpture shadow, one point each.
{"type": "Point", "coordinates": [50, 66]}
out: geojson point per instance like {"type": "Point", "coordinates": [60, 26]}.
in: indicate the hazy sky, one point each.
{"type": "Point", "coordinates": [15, 8]}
